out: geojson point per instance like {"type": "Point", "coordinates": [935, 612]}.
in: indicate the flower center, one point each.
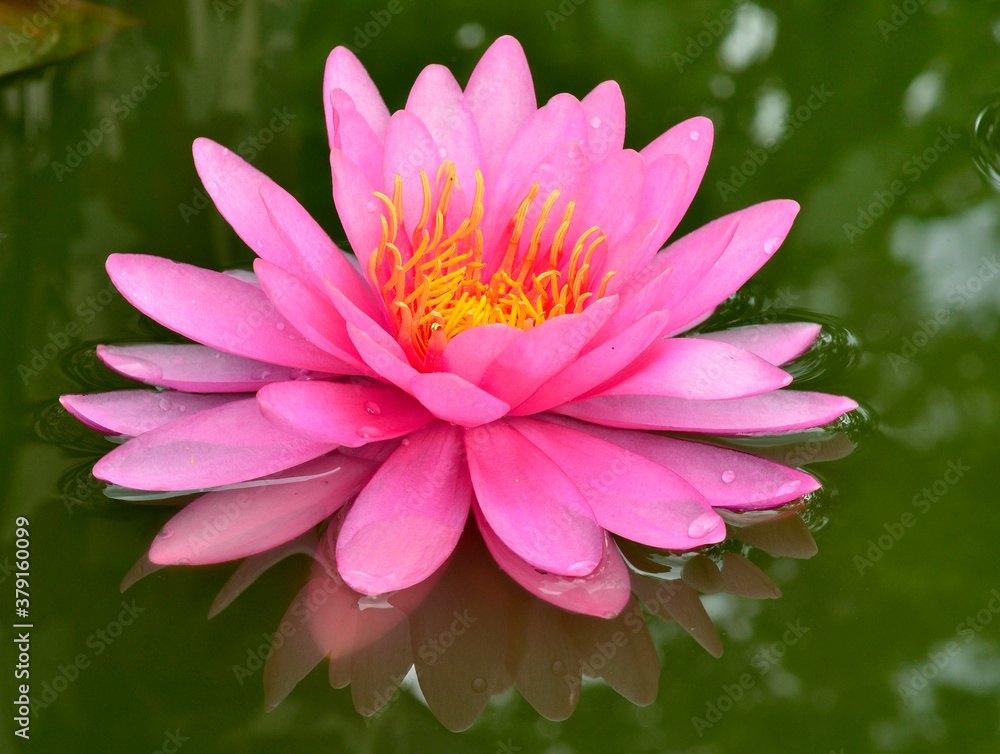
{"type": "Point", "coordinates": [442, 289]}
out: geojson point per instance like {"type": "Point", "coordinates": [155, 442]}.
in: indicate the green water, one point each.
{"type": "Point", "coordinates": [880, 99]}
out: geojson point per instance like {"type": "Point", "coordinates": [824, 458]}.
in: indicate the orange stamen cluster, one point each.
{"type": "Point", "coordinates": [439, 290]}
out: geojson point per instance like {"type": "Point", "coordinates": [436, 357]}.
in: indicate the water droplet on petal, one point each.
{"type": "Point", "coordinates": [300, 374]}
{"type": "Point", "coordinates": [407, 441]}
{"type": "Point", "coordinates": [770, 245]}
{"type": "Point", "coordinates": [260, 244]}
{"type": "Point", "coordinates": [183, 561]}
{"type": "Point", "coordinates": [182, 409]}
{"type": "Point", "coordinates": [165, 532]}
{"type": "Point", "coordinates": [218, 355]}
{"type": "Point", "coordinates": [479, 685]}
{"type": "Point", "coordinates": [695, 135]}
{"type": "Point", "coordinates": [280, 326]}
{"type": "Point", "coordinates": [369, 433]}
{"type": "Point", "coordinates": [373, 408]}
{"type": "Point", "coordinates": [728, 476]}
{"type": "Point", "coordinates": [702, 525]}
{"type": "Point", "coordinates": [480, 404]}
{"type": "Point", "coordinates": [558, 668]}
{"type": "Point", "coordinates": [595, 122]}
{"type": "Point", "coordinates": [370, 205]}
{"type": "Point", "coordinates": [165, 404]}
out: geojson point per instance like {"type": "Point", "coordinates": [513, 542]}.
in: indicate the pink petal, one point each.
{"type": "Point", "coordinates": [223, 445]}
{"type": "Point", "coordinates": [342, 413]}
{"type": "Point", "coordinates": [628, 494]}
{"type": "Point", "coordinates": [353, 136]}
{"type": "Point", "coordinates": [196, 369]}
{"type": "Point", "coordinates": [628, 256]}
{"type": "Point", "coordinates": [310, 313]}
{"type": "Point", "coordinates": [407, 520]}
{"type": "Point", "coordinates": [437, 99]}
{"type": "Point", "coordinates": [667, 179]}
{"type": "Point", "coordinates": [357, 207]}
{"type": "Point", "coordinates": [761, 230]}
{"type": "Point", "coordinates": [777, 343]}
{"type": "Point", "coordinates": [216, 310]}
{"type": "Point", "coordinates": [692, 140]}
{"type": "Point", "coordinates": [317, 259]}
{"type": "Point", "coordinates": [613, 196]}
{"type": "Point", "coordinates": [605, 111]}
{"type": "Point", "coordinates": [602, 593]}
{"type": "Point", "coordinates": [233, 185]}
{"type": "Point", "coordinates": [543, 352]}
{"type": "Point", "coordinates": [501, 97]}
{"type": "Point", "coordinates": [685, 368]}
{"type": "Point", "coordinates": [471, 351]}
{"type": "Point", "coordinates": [455, 400]}
{"type": "Point", "coordinates": [530, 504]}
{"type": "Point", "coordinates": [727, 478]}
{"type": "Point", "coordinates": [231, 524]}
{"type": "Point", "coordinates": [132, 412]}
{"type": "Point", "coordinates": [383, 360]}
{"type": "Point", "coordinates": [344, 71]}
{"type": "Point", "coordinates": [778, 411]}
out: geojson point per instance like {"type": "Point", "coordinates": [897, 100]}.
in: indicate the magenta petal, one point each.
{"type": "Point", "coordinates": [342, 413]}
{"type": "Point", "coordinates": [214, 309]}
{"type": "Point", "coordinates": [223, 445]}
{"type": "Point", "coordinates": [407, 520]}
{"type": "Point", "coordinates": [605, 111]}
{"type": "Point", "coordinates": [353, 136]}
{"type": "Point", "coordinates": [778, 411]}
{"type": "Point", "coordinates": [357, 207]}
{"type": "Point", "coordinates": [471, 351]}
{"type": "Point", "coordinates": [344, 71]}
{"type": "Point", "coordinates": [530, 504]}
{"type": "Point", "coordinates": [231, 524]}
{"type": "Point", "coordinates": [777, 343]}
{"type": "Point", "coordinates": [602, 593]}
{"type": "Point", "coordinates": [685, 368]}
{"type": "Point", "coordinates": [628, 494]}
{"type": "Point", "coordinates": [613, 196]}
{"type": "Point", "coordinates": [543, 352]}
{"type": "Point", "coordinates": [196, 369]}
{"type": "Point", "coordinates": [501, 96]}
{"type": "Point", "coordinates": [692, 140]}
{"type": "Point", "coordinates": [761, 230]}
{"type": "Point", "coordinates": [132, 412]}
{"type": "Point", "coordinates": [666, 178]}
{"type": "Point", "coordinates": [453, 399]}
{"type": "Point", "coordinates": [384, 362]}
{"type": "Point", "coordinates": [310, 313]}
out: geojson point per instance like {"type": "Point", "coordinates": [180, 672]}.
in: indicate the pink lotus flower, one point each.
{"type": "Point", "coordinates": [506, 344]}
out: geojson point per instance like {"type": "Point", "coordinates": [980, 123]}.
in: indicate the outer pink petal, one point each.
{"type": "Point", "coordinates": [761, 230]}
{"type": "Point", "coordinates": [727, 478]}
{"type": "Point", "coordinates": [132, 412]}
{"type": "Point", "coordinates": [777, 343]}
{"type": "Point", "coordinates": [471, 351]}
{"type": "Point", "coordinates": [407, 520]}
{"type": "Point", "coordinates": [223, 445]}
{"type": "Point", "coordinates": [667, 179]}
{"type": "Point", "coordinates": [196, 369]}
{"type": "Point", "coordinates": [685, 368]}
{"type": "Point", "coordinates": [501, 97]}
{"type": "Point", "coordinates": [530, 504]}
{"type": "Point", "coordinates": [778, 411]}
{"type": "Point", "coordinates": [358, 208]}
{"type": "Point", "coordinates": [453, 399]}
{"type": "Point", "coordinates": [605, 110]}
{"type": "Point", "coordinates": [353, 136]}
{"type": "Point", "coordinates": [342, 413]}
{"type": "Point", "coordinates": [692, 140]}
{"type": "Point", "coordinates": [603, 593]}
{"type": "Point", "coordinates": [543, 352]}
{"type": "Point", "coordinates": [214, 309]}
{"type": "Point", "coordinates": [628, 494]}
{"type": "Point", "coordinates": [231, 524]}
{"type": "Point", "coordinates": [344, 71]}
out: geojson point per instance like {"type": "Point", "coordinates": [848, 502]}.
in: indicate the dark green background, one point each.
{"type": "Point", "coordinates": [835, 689]}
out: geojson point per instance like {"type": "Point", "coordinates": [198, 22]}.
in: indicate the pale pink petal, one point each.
{"type": "Point", "coordinates": [342, 413]}
{"type": "Point", "coordinates": [196, 369]}
{"type": "Point", "coordinates": [778, 343]}
{"type": "Point", "coordinates": [344, 71]}
{"type": "Point", "coordinates": [132, 412]}
{"type": "Point", "coordinates": [602, 593]}
{"type": "Point", "coordinates": [778, 411]}
{"type": "Point", "coordinates": [530, 504]}
{"type": "Point", "coordinates": [353, 136]}
{"type": "Point", "coordinates": [667, 179]}
{"type": "Point", "coordinates": [501, 97]}
{"type": "Point", "coordinates": [357, 207]}
{"type": "Point", "coordinates": [613, 197]}
{"type": "Point", "coordinates": [692, 140]}
{"type": "Point", "coordinates": [727, 478]}
{"type": "Point", "coordinates": [627, 493]}
{"type": "Point", "coordinates": [761, 230]}
{"type": "Point", "coordinates": [543, 351]}
{"type": "Point", "coordinates": [686, 368]}
{"type": "Point", "coordinates": [222, 445]}
{"type": "Point", "coordinates": [231, 524]}
{"type": "Point", "coordinates": [605, 110]}
{"type": "Point", "coordinates": [216, 310]}
{"type": "Point", "coordinates": [407, 520]}
{"type": "Point", "coordinates": [453, 399]}
{"type": "Point", "coordinates": [471, 351]}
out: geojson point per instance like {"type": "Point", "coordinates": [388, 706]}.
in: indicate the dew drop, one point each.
{"type": "Point", "coordinates": [301, 374]}
{"type": "Point", "coordinates": [479, 685]}
{"type": "Point", "coordinates": [370, 205]}
{"type": "Point", "coordinates": [558, 668]}
{"type": "Point", "coordinates": [181, 409]}
{"type": "Point", "coordinates": [369, 433]}
{"type": "Point", "coordinates": [165, 532]}
{"type": "Point", "coordinates": [770, 245]}
{"type": "Point", "coordinates": [728, 476]}
{"type": "Point", "coordinates": [406, 441]}
{"type": "Point", "coordinates": [165, 404]}
{"type": "Point", "coordinates": [595, 122]}
{"type": "Point", "coordinates": [480, 404]}
{"type": "Point", "coordinates": [695, 135]}
{"type": "Point", "coordinates": [218, 355]}
{"type": "Point", "coordinates": [279, 326]}
{"type": "Point", "coordinates": [702, 525]}
{"type": "Point", "coordinates": [183, 561]}
{"type": "Point", "coordinates": [373, 408]}
{"type": "Point", "coordinates": [260, 244]}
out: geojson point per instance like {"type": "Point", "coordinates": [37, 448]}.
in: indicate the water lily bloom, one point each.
{"type": "Point", "coordinates": [499, 350]}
